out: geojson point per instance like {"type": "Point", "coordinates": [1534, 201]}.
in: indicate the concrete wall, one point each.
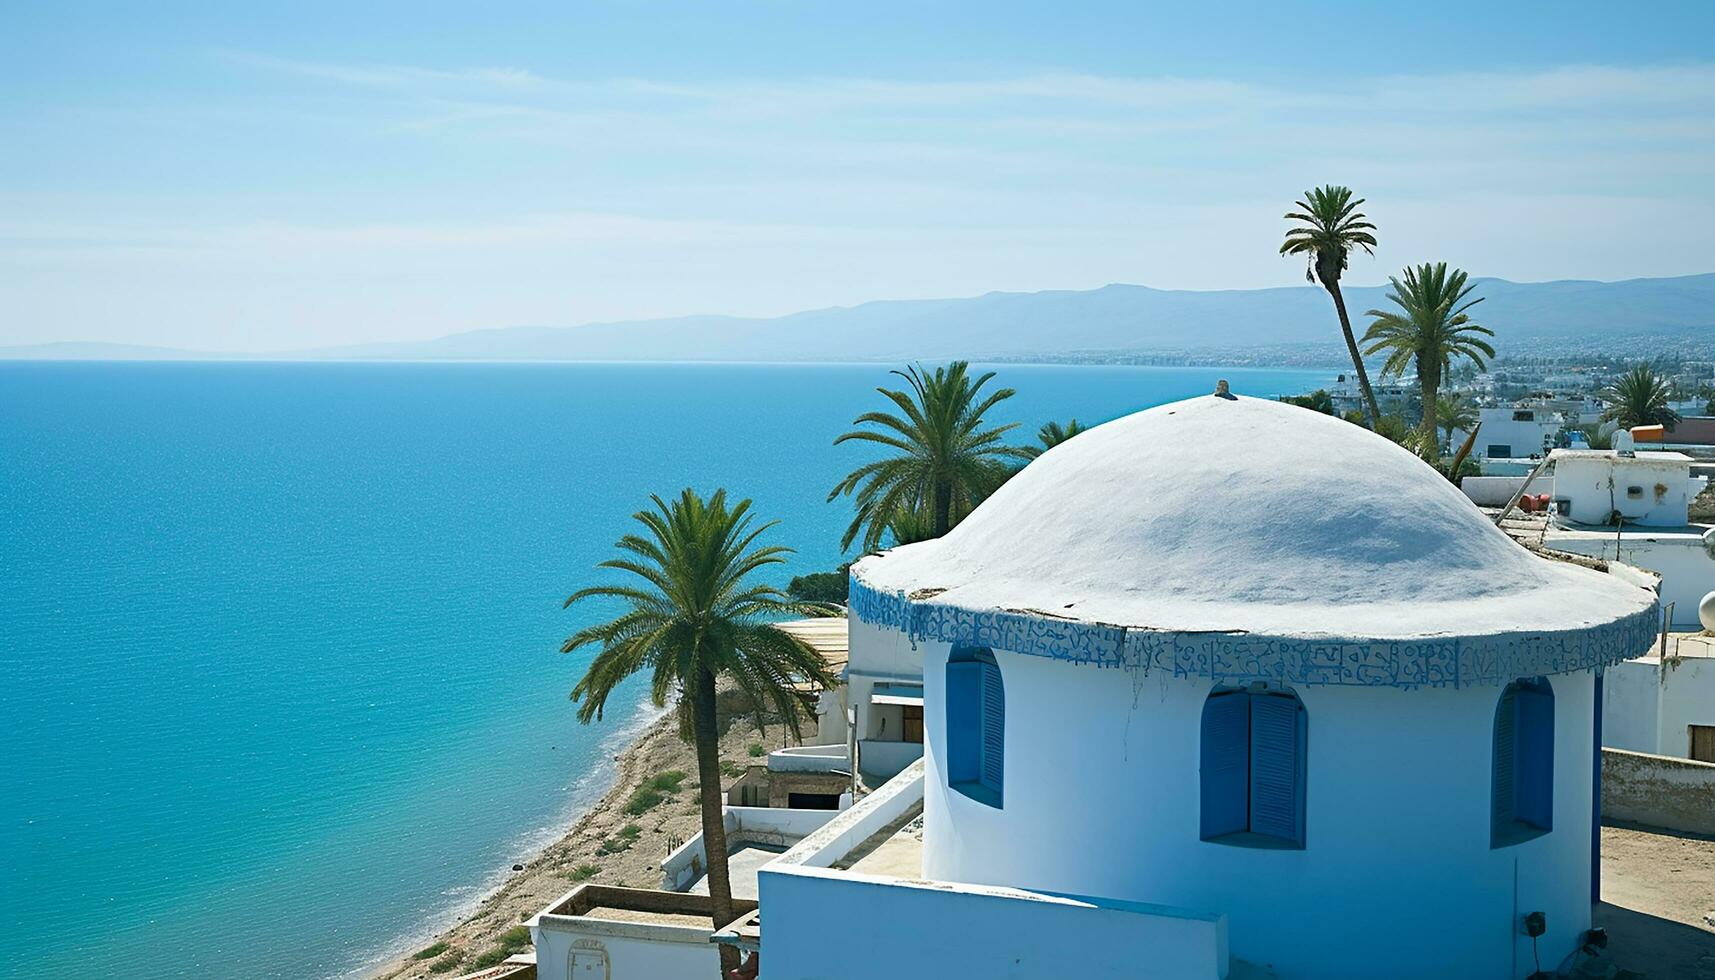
{"type": "Point", "coordinates": [1599, 485]}
{"type": "Point", "coordinates": [1631, 706]}
{"type": "Point", "coordinates": [883, 760]}
{"type": "Point", "coordinates": [1495, 491]}
{"type": "Point", "coordinates": [1646, 709]}
{"type": "Point", "coordinates": [933, 930]}
{"type": "Point", "coordinates": [1102, 792]}
{"type": "Point", "coordinates": [1677, 794]}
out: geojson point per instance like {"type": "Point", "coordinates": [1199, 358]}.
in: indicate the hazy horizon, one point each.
{"type": "Point", "coordinates": [245, 181]}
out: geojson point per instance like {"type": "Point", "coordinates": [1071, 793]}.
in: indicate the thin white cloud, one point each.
{"type": "Point", "coordinates": [412, 200]}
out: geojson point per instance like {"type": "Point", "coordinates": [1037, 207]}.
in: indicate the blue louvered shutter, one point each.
{"type": "Point", "coordinates": [1533, 800]}
{"type": "Point", "coordinates": [1277, 768]}
{"type": "Point", "coordinates": [1506, 760]}
{"type": "Point", "coordinates": [964, 721]}
{"type": "Point", "coordinates": [994, 728]}
{"type": "Point", "coordinates": [1225, 763]}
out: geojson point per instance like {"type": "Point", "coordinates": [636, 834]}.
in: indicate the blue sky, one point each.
{"type": "Point", "coordinates": [264, 177]}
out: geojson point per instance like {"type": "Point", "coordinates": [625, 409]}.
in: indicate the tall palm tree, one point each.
{"type": "Point", "coordinates": [1454, 412]}
{"type": "Point", "coordinates": [692, 616]}
{"type": "Point", "coordinates": [1431, 328]}
{"type": "Point", "coordinates": [946, 461]}
{"type": "Point", "coordinates": [1640, 397]}
{"type": "Point", "coordinates": [1053, 434]}
{"type": "Point", "coordinates": [1331, 227]}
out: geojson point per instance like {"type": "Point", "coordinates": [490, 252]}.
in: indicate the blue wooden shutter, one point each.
{"type": "Point", "coordinates": [994, 728]}
{"type": "Point", "coordinates": [1533, 800]}
{"type": "Point", "coordinates": [1225, 763]}
{"type": "Point", "coordinates": [964, 709]}
{"type": "Point", "coordinates": [1506, 759]}
{"type": "Point", "coordinates": [1276, 768]}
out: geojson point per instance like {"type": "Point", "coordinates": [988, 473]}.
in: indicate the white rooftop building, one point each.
{"type": "Point", "coordinates": [1239, 688]}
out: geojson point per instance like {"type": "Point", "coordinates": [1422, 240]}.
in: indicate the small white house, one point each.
{"type": "Point", "coordinates": [884, 686]}
{"type": "Point", "coordinates": [1513, 432]}
{"type": "Point", "coordinates": [1651, 492]}
{"type": "Point", "coordinates": [1249, 686]}
{"type": "Point", "coordinates": [1648, 488]}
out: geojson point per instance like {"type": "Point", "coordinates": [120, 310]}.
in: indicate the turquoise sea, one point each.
{"type": "Point", "coordinates": [279, 689]}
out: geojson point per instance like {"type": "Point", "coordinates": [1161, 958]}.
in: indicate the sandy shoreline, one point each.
{"type": "Point", "coordinates": [604, 844]}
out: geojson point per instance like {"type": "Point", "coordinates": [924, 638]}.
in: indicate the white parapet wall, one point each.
{"type": "Point", "coordinates": [1495, 491]}
{"type": "Point", "coordinates": [885, 759]}
{"type": "Point", "coordinates": [625, 934]}
{"type": "Point", "coordinates": [906, 930]}
{"type": "Point", "coordinates": [810, 758]}
{"type": "Point", "coordinates": [1676, 794]}
{"type": "Point", "coordinates": [782, 826]}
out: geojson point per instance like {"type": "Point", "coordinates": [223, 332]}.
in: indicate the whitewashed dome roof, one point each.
{"type": "Point", "coordinates": [1243, 538]}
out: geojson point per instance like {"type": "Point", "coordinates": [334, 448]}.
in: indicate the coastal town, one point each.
{"type": "Point", "coordinates": [1229, 687]}
{"type": "Point", "coordinates": [1298, 670]}
{"type": "Point", "coordinates": [805, 491]}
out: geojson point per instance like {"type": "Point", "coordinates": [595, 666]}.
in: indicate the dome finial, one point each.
{"type": "Point", "coordinates": [1222, 391]}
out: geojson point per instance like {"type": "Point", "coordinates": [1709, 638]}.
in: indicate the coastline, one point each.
{"type": "Point", "coordinates": [603, 843]}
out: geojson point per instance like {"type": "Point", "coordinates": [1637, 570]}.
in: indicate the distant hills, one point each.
{"type": "Point", "coordinates": [1115, 320]}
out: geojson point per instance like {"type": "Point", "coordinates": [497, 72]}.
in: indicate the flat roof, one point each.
{"type": "Point", "coordinates": [647, 906]}
{"type": "Point", "coordinates": [1642, 455]}
{"type": "Point", "coordinates": [827, 635]}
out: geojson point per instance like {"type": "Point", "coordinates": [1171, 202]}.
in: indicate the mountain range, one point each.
{"type": "Point", "coordinates": [1582, 315]}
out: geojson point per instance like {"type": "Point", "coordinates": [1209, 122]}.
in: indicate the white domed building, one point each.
{"type": "Point", "coordinates": [1234, 655]}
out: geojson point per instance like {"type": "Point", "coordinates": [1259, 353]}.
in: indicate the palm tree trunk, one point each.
{"type": "Point", "coordinates": [1332, 284]}
{"type": "Point", "coordinates": [709, 789]}
{"type": "Point", "coordinates": [1429, 386]}
{"type": "Point", "coordinates": [943, 516]}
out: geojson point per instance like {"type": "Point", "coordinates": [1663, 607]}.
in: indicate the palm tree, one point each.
{"type": "Point", "coordinates": [1640, 397]}
{"type": "Point", "coordinates": [946, 463]}
{"type": "Point", "coordinates": [1454, 412]}
{"type": "Point", "coordinates": [1053, 434]}
{"type": "Point", "coordinates": [1332, 227]}
{"type": "Point", "coordinates": [691, 618]}
{"type": "Point", "coordinates": [1430, 330]}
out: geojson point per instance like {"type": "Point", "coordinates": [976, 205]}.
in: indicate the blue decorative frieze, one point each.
{"type": "Point", "coordinates": [1243, 657]}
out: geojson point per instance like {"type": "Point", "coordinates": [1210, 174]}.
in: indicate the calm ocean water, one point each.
{"type": "Point", "coordinates": [279, 686]}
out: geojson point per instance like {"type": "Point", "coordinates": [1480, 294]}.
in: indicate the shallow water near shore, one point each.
{"type": "Point", "coordinates": [278, 678]}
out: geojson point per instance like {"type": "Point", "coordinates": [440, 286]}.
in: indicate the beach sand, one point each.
{"type": "Point", "coordinates": [636, 863]}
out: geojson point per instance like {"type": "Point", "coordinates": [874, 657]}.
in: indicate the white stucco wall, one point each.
{"type": "Point", "coordinates": [881, 656]}
{"type": "Point", "coordinates": [1599, 484]}
{"type": "Point", "coordinates": [883, 653]}
{"type": "Point", "coordinates": [1495, 491]}
{"type": "Point", "coordinates": [1688, 698]}
{"type": "Point", "coordinates": [1648, 710]}
{"type": "Point", "coordinates": [1397, 878]}
{"type": "Point", "coordinates": [1499, 428]}
{"type": "Point", "coordinates": [916, 930]}
{"type": "Point", "coordinates": [1631, 706]}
